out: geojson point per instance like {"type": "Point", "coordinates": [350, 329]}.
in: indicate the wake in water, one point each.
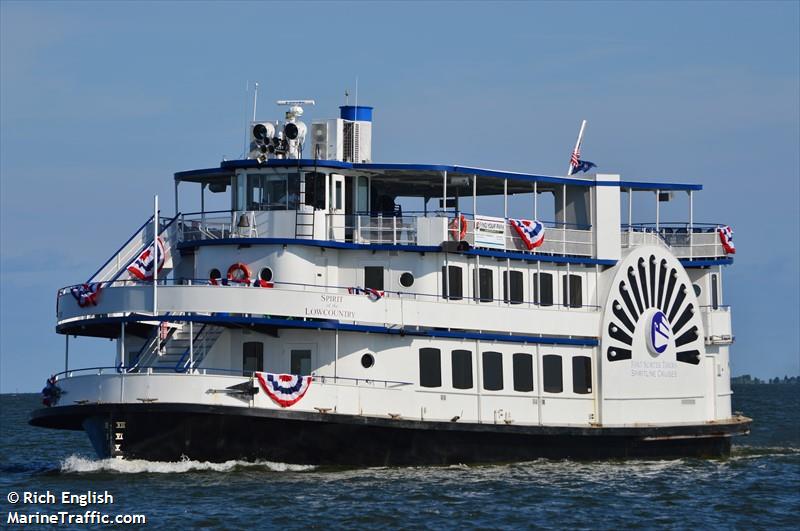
{"type": "Point", "coordinates": [80, 465]}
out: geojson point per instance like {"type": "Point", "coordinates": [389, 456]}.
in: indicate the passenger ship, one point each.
{"type": "Point", "coordinates": [319, 319]}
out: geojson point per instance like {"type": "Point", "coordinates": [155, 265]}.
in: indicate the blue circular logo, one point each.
{"type": "Point", "coordinates": [660, 333]}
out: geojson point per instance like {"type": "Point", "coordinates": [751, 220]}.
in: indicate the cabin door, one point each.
{"type": "Point", "coordinates": [336, 210]}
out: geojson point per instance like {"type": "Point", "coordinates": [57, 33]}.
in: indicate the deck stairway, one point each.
{"type": "Point", "coordinates": [167, 348]}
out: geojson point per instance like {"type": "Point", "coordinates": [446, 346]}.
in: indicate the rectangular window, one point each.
{"type": "Point", "coordinates": [714, 292]}
{"type": "Point", "coordinates": [492, 371]}
{"type": "Point", "coordinates": [552, 374]}
{"type": "Point", "coordinates": [543, 289]}
{"type": "Point", "coordinates": [252, 357]}
{"type": "Point", "coordinates": [362, 205]}
{"type": "Point", "coordinates": [523, 372]}
{"type": "Point", "coordinates": [315, 190]}
{"type": "Point", "coordinates": [514, 295]}
{"type": "Point", "coordinates": [582, 375]}
{"type": "Point", "coordinates": [293, 195]}
{"type": "Point", "coordinates": [484, 286]}
{"type": "Point", "coordinates": [462, 369]}
{"type": "Point", "coordinates": [301, 362]}
{"type": "Point", "coordinates": [373, 277]}
{"type": "Point", "coordinates": [452, 283]}
{"type": "Point", "coordinates": [338, 196]}
{"type": "Point", "coordinates": [430, 367]}
{"type": "Point", "coordinates": [573, 291]}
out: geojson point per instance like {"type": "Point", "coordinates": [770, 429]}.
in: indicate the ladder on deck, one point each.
{"type": "Point", "coordinates": [304, 225]}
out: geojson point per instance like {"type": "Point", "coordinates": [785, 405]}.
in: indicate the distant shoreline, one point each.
{"type": "Point", "coordinates": [746, 379]}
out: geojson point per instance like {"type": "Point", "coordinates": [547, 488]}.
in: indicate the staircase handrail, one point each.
{"type": "Point", "coordinates": [137, 231]}
{"type": "Point", "coordinates": [142, 248]}
{"type": "Point", "coordinates": [181, 366]}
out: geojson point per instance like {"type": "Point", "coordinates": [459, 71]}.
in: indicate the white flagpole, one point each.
{"type": "Point", "coordinates": [577, 147]}
{"type": "Point", "coordinates": [155, 255]}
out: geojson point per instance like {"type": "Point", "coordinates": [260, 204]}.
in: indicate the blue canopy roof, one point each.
{"type": "Point", "coordinates": [227, 169]}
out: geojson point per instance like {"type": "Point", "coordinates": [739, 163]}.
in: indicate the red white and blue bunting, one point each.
{"type": "Point", "coordinates": [531, 232]}
{"type": "Point", "coordinates": [284, 389]}
{"type": "Point", "coordinates": [142, 267]}
{"type": "Point", "coordinates": [372, 293]}
{"type": "Point", "coordinates": [86, 294]}
{"type": "Point", "coordinates": [726, 237]}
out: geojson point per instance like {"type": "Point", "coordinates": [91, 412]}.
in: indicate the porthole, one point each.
{"type": "Point", "coordinates": [697, 290]}
{"type": "Point", "coordinates": [367, 360]}
{"type": "Point", "coordinates": [265, 274]}
{"type": "Point", "coordinates": [406, 280]}
{"type": "Point", "coordinates": [214, 274]}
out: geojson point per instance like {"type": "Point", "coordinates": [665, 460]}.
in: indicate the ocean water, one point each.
{"type": "Point", "coordinates": [758, 486]}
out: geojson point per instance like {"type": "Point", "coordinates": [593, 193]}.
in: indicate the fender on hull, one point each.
{"type": "Point", "coordinates": [170, 432]}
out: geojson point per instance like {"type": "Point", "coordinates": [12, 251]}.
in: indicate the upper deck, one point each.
{"type": "Point", "coordinates": [435, 206]}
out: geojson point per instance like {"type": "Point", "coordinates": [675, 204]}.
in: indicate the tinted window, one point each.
{"type": "Point", "coordinates": [543, 289]}
{"type": "Point", "coordinates": [252, 357]}
{"type": "Point", "coordinates": [484, 287]}
{"type": "Point", "coordinates": [573, 291]}
{"type": "Point", "coordinates": [492, 371]}
{"type": "Point", "coordinates": [373, 277]}
{"type": "Point", "coordinates": [315, 190]}
{"type": "Point", "coordinates": [582, 375]}
{"type": "Point", "coordinates": [406, 280]}
{"type": "Point", "coordinates": [714, 292]}
{"type": "Point", "coordinates": [462, 369]}
{"type": "Point", "coordinates": [515, 295]}
{"type": "Point", "coordinates": [553, 380]}
{"type": "Point", "coordinates": [523, 372]}
{"type": "Point", "coordinates": [301, 362]}
{"type": "Point", "coordinates": [430, 367]}
{"type": "Point", "coordinates": [452, 283]}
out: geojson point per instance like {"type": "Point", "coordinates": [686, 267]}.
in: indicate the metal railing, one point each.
{"type": "Point", "coordinates": [214, 371]}
{"type": "Point", "coordinates": [695, 241]}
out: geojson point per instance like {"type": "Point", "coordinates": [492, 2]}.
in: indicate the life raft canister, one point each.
{"type": "Point", "coordinates": [458, 228]}
{"type": "Point", "coordinates": [239, 273]}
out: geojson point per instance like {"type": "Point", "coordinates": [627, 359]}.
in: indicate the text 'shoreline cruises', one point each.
{"type": "Point", "coordinates": [323, 308]}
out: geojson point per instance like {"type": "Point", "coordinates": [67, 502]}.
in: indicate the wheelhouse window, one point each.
{"type": "Point", "coordinates": [315, 190]}
{"type": "Point", "coordinates": [512, 287]}
{"type": "Point", "coordinates": [272, 191]}
{"type": "Point", "coordinates": [543, 289]}
{"type": "Point", "coordinates": [523, 372]}
{"type": "Point", "coordinates": [252, 357]}
{"type": "Point", "coordinates": [462, 369]}
{"type": "Point", "coordinates": [492, 371]}
{"type": "Point", "coordinates": [430, 367]}
{"type": "Point", "coordinates": [373, 277]}
{"type": "Point", "coordinates": [552, 374]}
{"type": "Point", "coordinates": [452, 283]}
{"type": "Point", "coordinates": [573, 290]}
{"type": "Point", "coordinates": [484, 285]}
{"type": "Point", "coordinates": [582, 375]}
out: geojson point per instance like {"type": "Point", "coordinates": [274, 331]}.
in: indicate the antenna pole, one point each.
{"type": "Point", "coordinates": [246, 128]}
{"type": "Point", "coordinates": [255, 101]}
{"type": "Point", "coordinates": [577, 147]}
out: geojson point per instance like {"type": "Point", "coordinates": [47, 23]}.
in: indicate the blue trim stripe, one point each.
{"type": "Point", "coordinates": [462, 170]}
{"type": "Point", "coordinates": [389, 247]}
{"type": "Point", "coordinates": [685, 262]}
{"type": "Point", "coordinates": [332, 324]}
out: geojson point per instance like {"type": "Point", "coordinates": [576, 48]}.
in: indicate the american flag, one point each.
{"type": "Point", "coordinates": [575, 159]}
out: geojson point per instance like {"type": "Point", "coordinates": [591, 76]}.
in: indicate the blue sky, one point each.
{"type": "Point", "coordinates": [102, 102]}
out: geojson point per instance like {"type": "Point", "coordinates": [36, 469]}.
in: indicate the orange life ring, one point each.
{"type": "Point", "coordinates": [239, 273]}
{"type": "Point", "coordinates": [458, 228]}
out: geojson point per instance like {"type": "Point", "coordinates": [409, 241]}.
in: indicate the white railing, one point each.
{"type": "Point", "coordinates": [699, 241]}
